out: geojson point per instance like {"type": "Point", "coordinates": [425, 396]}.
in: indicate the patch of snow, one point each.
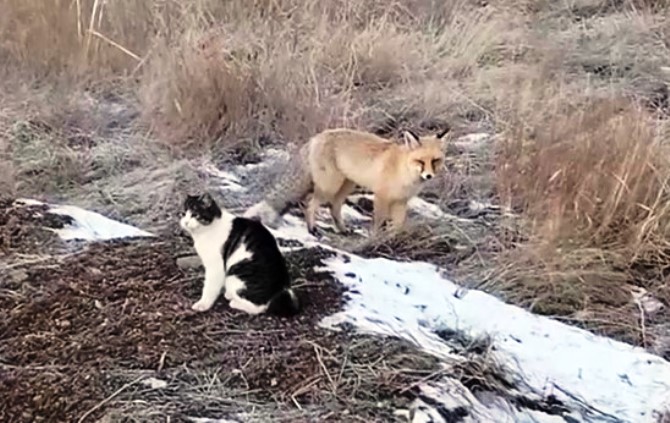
{"type": "Point", "coordinates": [474, 138]}
{"type": "Point", "coordinates": [88, 225]}
{"type": "Point", "coordinates": [597, 377]}
{"type": "Point", "coordinates": [649, 304]}
{"type": "Point", "coordinates": [27, 202]}
{"type": "Point", "coordinates": [91, 226]}
{"type": "Point", "coordinates": [228, 181]}
{"type": "Point", "coordinates": [426, 209]}
{"type": "Point", "coordinates": [459, 404]}
{"type": "Point", "coordinates": [154, 383]}
{"type": "Point", "coordinates": [208, 420]}
{"type": "Point", "coordinates": [349, 213]}
{"type": "Point", "coordinates": [475, 205]}
{"type": "Point", "coordinates": [412, 301]}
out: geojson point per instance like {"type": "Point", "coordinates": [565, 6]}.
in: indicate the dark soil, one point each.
{"type": "Point", "coordinates": [25, 229]}
{"type": "Point", "coordinates": [68, 331]}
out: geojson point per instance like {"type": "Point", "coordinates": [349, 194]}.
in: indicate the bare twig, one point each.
{"type": "Point", "coordinates": [115, 44]}
{"type": "Point", "coordinates": [109, 398]}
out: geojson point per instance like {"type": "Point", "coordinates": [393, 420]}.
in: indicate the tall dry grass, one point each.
{"type": "Point", "coordinates": [214, 73]}
{"type": "Point", "coordinates": [593, 176]}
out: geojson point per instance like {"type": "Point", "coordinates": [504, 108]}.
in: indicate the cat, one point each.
{"type": "Point", "coordinates": [241, 257]}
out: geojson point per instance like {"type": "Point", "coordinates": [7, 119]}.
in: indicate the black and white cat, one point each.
{"type": "Point", "coordinates": [241, 257]}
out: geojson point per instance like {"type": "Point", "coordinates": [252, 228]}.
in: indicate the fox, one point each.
{"type": "Point", "coordinates": [334, 162]}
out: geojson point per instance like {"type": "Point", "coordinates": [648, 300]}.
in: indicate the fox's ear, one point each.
{"type": "Point", "coordinates": [442, 133]}
{"type": "Point", "coordinates": [411, 139]}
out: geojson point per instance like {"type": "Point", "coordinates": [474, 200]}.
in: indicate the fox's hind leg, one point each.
{"type": "Point", "coordinates": [327, 183]}
{"type": "Point", "coordinates": [310, 212]}
{"type": "Point", "coordinates": [337, 202]}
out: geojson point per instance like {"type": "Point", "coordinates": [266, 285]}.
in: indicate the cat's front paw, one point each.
{"type": "Point", "coordinates": [202, 305]}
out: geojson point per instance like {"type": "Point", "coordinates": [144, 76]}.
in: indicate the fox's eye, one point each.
{"type": "Point", "coordinates": [419, 163]}
{"type": "Point", "coordinates": [436, 162]}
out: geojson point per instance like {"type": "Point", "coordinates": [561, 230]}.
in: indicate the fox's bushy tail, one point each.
{"type": "Point", "coordinates": [292, 187]}
{"type": "Point", "coordinates": [285, 304]}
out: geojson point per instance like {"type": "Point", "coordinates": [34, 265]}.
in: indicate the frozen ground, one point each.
{"type": "Point", "coordinates": [568, 374]}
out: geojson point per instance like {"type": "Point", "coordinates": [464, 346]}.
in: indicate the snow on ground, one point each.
{"type": "Point", "coordinates": [87, 225]}
{"type": "Point", "coordinates": [412, 301]}
{"type": "Point", "coordinates": [599, 378]}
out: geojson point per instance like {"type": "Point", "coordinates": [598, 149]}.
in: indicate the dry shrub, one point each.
{"type": "Point", "coordinates": [292, 69]}
{"type": "Point", "coordinates": [647, 5]}
{"type": "Point", "coordinates": [595, 176]}
{"type": "Point", "coordinates": [195, 92]}
{"type": "Point", "coordinates": [213, 72]}
{"type": "Point", "coordinates": [591, 178]}
{"type": "Point", "coordinates": [67, 38]}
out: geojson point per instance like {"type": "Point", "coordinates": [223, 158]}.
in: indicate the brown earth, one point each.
{"type": "Point", "coordinates": [77, 328]}
{"type": "Point", "coordinates": [25, 229]}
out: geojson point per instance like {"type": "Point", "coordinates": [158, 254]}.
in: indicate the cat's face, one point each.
{"type": "Point", "coordinates": [199, 211]}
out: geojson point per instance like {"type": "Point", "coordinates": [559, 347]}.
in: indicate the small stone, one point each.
{"type": "Point", "coordinates": [189, 262]}
{"type": "Point", "coordinates": [154, 383]}
{"type": "Point", "coordinates": [18, 275]}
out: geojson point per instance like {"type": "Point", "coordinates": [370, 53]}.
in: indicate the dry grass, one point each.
{"type": "Point", "coordinates": [223, 73]}
{"type": "Point", "coordinates": [590, 176]}
{"type": "Point", "coordinates": [596, 176]}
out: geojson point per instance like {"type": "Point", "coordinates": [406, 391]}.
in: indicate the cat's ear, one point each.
{"type": "Point", "coordinates": [206, 200]}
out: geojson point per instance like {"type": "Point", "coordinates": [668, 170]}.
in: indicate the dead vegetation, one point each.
{"type": "Point", "coordinates": [592, 183]}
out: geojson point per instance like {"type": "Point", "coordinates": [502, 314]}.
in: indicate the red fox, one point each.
{"type": "Point", "coordinates": [335, 161]}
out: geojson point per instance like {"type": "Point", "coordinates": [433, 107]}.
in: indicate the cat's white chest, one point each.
{"type": "Point", "coordinates": [209, 251]}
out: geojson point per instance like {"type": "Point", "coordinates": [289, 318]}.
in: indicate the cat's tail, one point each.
{"type": "Point", "coordinates": [285, 303]}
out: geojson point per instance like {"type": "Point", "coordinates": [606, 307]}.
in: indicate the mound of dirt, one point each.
{"type": "Point", "coordinates": [123, 307]}
{"type": "Point", "coordinates": [25, 229]}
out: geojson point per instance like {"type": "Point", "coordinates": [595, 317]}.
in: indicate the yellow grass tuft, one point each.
{"type": "Point", "coordinates": [596, 176]}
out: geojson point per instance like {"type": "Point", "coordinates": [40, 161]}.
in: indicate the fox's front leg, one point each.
{"type": "Point", "coordinates": [398, 215]}
{"type": "Point", "coordinates": [381, 212]}
{"type": "Point", "coordinates": [214, 282]}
